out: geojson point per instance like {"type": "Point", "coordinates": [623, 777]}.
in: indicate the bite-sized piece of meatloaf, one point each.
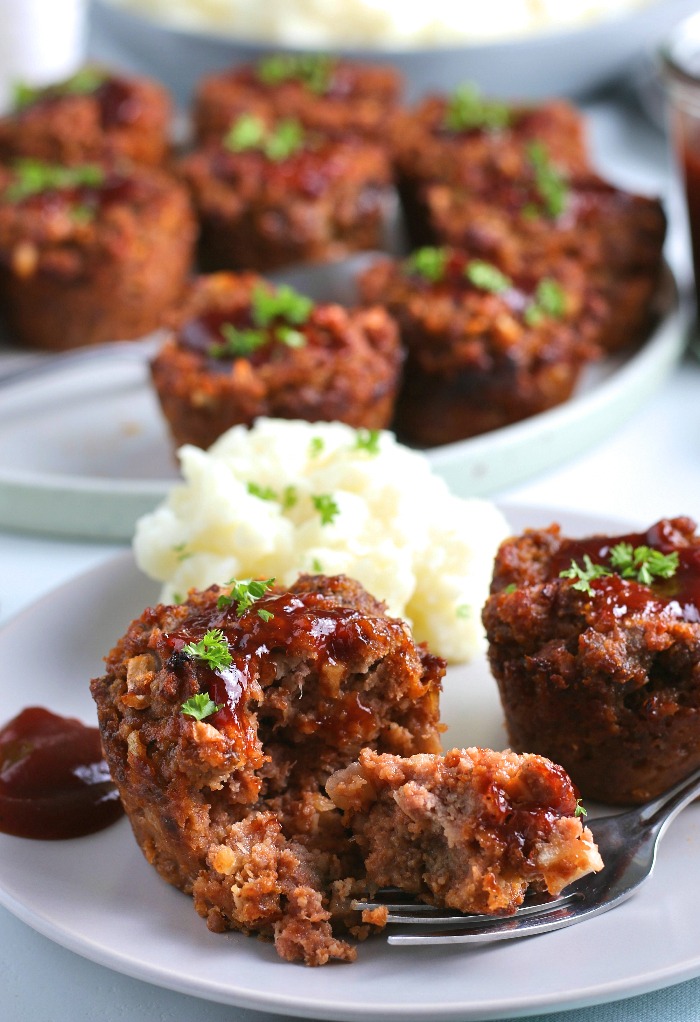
{"type": "Point", "coordinates": [272, 194]}
{"type": "Point", "coordinates": [483, 349]}
{"type": "Point", "coordinates": [244, 349]}
{"type": "Point", "coordinates": [329, 94]}
{"type": "Point", "coordinates": [595, 645]}
{"type": "Point", "coordinates": [221, 720]}
{"type": "Point", "coordinates": [467, 139]}
{"type": "Point", "coordinates": [533, 223]}
{"type": "Point", "coordinates": [472, 830]}
{"type": "Point", "coordinates": [91, 252]}
{"type": "Point", "coordinates": [94, 115]}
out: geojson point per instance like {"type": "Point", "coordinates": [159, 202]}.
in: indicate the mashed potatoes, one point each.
{"type": "Point", "coordinates": [376, 22]}
{"type": "Point", "coordinates": [288, 497]}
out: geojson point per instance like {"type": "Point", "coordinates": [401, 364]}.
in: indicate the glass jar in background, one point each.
{"type": "Point", "coordinates": [680, 59]}
{"type": "Point", "coordinates": [41, 41]}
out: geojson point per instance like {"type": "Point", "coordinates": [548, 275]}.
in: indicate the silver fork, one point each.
{"type": "Point", "coordinates": [628, 843]}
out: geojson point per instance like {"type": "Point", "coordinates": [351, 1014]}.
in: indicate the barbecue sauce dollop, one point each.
{"type": "Point", "coordinates": [54, 781]}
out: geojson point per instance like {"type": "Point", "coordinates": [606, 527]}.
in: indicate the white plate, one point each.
{"type": "Point", "coordinates": [84, 450]}
{"type": "Point", "coordinates": [565, 61]}
{"type": "Point", "coordinates": [98, 897]}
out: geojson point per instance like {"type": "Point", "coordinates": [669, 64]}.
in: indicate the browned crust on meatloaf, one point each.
{"type": "Point", "coordinates": [615, 236]}
{"type": "Point", "coordinates": [123, 118]}
{"type": "Point", "coordinates": [319, 204]}
{"type": "Point", "coordinates": [472, 830]}
{"type": "Point", "coordinates": [606, 683]}
{"type": "Point", "coordinates": [476, 360]}
{"type": "Point", "coordinates": [425, 151]}
{"type": "Point", "coordinates": [232, 807]}
{"type": "Point", "coordinates": [68, 279]}
{"type": "Point", "coordinates": [358, 100]}
{"type": "Point", "coordinates": [347, 368]}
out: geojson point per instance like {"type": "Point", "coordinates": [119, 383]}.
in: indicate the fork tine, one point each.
{"type": "Point", "coordinates": [482, 929]}
{"type": "Point", "coordinates": [413, 913]}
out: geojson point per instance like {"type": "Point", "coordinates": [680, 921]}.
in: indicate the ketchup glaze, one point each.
{"type": "Point", "coordinates": [54, 782]}
{"type": "Point", "coordinates": [678, 595]}
{"type": "Point", "coordinates": [299, 625]}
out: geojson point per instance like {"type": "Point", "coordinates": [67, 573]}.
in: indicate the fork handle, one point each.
{"type": "Point", "coordinates": [658, 813]}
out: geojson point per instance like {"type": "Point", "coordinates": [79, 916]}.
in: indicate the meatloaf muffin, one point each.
{"type": "Point", "coordinates": [483, 349]}
{"type": "Point", "coordinates": [93, 115]}
{"type": "Point", "coordinates": [332, 95]}
{"type": "Point", "coordinates": [467, 139]}
{"type": "Point", "coordinates": [536, 222]}
{"type": "Point", "coordinates": [221, 720]}
{"type": "Point", "coordinates": [272, 194]}
{"type": "Point", "coordinates": [244, 349]}
{"type": "Point", "coordinates": [595, 645]}
{"type": "Point", "coordinates": [90, 252]}
{"type": "Point", "coordinates": [472, 830]}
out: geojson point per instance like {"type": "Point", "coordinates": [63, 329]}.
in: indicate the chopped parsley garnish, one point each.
{"type": "Point", "coordinates": [549, 300]}
{"type": "Point", "coordinates": [510, 588]}
{"type": "Point", "coordinates": [584, 575]}
{"type": "Point", "coordinates": [289, 336]}
{"type": "Point", "coordinates": [463, 610]}
{"type": "Point", "coordinates": [263, 492]}
{"type": "Point", "coordinates": [283, 302]}
{"type": "Point", "coordinates": [237, 343]}
{"type": "Point", "coordinates": [312, 70]}
{"type": "Point", "coordinates": [244, 594]}
{"type": "Point", "coordinates": [285, 139]}
{"type": "Point", "coordinates": [212, 648]}
{"type": "Point", "coordinates": [200, 706]}
{"type": "Point", "coordinates": [550, 183]}
{"type": "Point", "coordinates": [276, 142]}
{"type": "Point", "coordinates": [486, 276]}
{"type": "Point", "coordinates": [428, 262]}
{"type": "Point", "coordinates": [579, 810]}
{"type": "Point", "coordinates": [643, 563]}
{"type": "Point", "coordinates": [32, 177]}
{"type": "Point", "coordinates": [82, 83]}
{"type": "Point", "coordinates": [289, 496]}
{"type": "Point", "coordinates": [316, 445]}
{"type": "Point", "coordinates": [182, 552]}
{"type": "Point", "coordinates": [316, 566]}
{"type": "Point", "coordinates": [326, 507]}
{"type": "Point", "coordinates": [368, 441]}
{"type": "Point", "coordinates": [247, 132]}
{"type": "Point", "coordinates": [266, 615]}
{"type": "Point", "coordinates": [467, 109]}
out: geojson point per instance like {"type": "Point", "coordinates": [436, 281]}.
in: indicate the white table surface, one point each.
{"type": "Point", "coordinates": [649, 468]}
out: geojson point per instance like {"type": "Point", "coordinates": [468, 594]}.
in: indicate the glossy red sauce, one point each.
{"type": "Point", "coordinates": [678, 595]}
{"type": "Point", "coordinates": [54, 782]}
{"type": "Point", "coordinates": [300, 626]}
{"type": "Point", "coordinates": [204, 333]}
{"type": "Point", "coordinates": [115, 189]}
{"type": "Point", "coordinates": [307, 172]}
{"type": "Point", "coordinates": [118, 101]}
{"type": "Point", "coordinates": [455, 283]}
{"type": "Point", "coordinates": [342, 82]}
{"type": "Point", "coordinates": [520, 823]}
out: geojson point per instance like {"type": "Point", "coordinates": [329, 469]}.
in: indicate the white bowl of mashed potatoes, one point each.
{"type": "Point", "coordinates": [511, 48]}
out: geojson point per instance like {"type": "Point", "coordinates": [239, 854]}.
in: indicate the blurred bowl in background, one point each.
{"type": "Point", "coordinates": [572, 62]}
